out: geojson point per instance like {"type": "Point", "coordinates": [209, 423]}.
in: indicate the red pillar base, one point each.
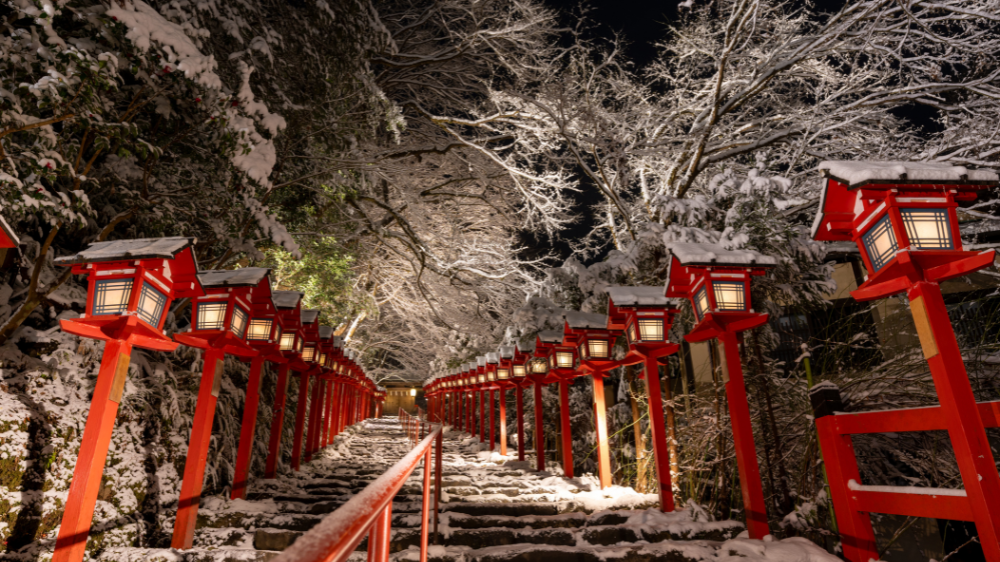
{"type": "Point", "coordinates": [565, 429]}
{"type": "Point", "coordinates": [277, 422]}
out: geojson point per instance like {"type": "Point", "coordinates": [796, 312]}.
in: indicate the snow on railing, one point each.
{"type": "Point", "coordinates": [370, 511]}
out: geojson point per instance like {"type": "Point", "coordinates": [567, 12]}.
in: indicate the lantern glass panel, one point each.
{"type": "Point", "coordinates": [322, 359]}
{"type": "Point", "coordinates": [298, 345]}
{"type": "Point", "coordinates": [111, 296]}
{"type": "Point", "coordinates": [651, 329]}
{"type": "Point", "coordinates": [151, 304]}
{"type": "Point", "coordinates": [927, 229]}
{"type": "Point", "coordinates": [482, 378]}
{"type": "Point", "coordinates": [491, 376]}
{"type": "Point", "coordinates": [729, 295]}
{"type": "Point", "coordinates": [630, 333]}
{"type": "Point", "coordinates": [239, 322]}
{"type": "Point", "coordinates": [539, 366]}
{"type": "Point", "coordinates": [287, 342]}
{"type": "Point", "coordinates": [211, 315]}
{"type": "Point", "coordinates": [880, 243]}
{"type": "Point", "coordinates": [503, 374]}
{"type": "Point", "coordinates": [552, 361]}
{"type": "Point", "coordinates": [564, 359]}
{"type": "Point", "coordinates": [260, 329]}
{"type": "Point", "coordinates": [308, 353]}
{"type": "Point", "coordinates": [519, 371]}
{"type": "Point", "coordinates": [599, 349]}
{"type": "Point", "coordinates": [701, 302]}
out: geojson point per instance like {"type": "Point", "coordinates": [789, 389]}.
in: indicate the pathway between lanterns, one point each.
{"type": "Point", "coordinates": [494, 510]}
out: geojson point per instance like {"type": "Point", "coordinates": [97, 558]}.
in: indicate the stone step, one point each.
{"type": "Point", "coordinates": [129, 554]}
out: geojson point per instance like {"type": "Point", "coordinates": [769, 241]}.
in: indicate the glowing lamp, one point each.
{"type": "Point", "coordinates": [289, 307]}
{"type": "Point", "coordinates": [715, 280]}
{"type": "Point", "coordinates": [221, 318]}
{"type": "Point", "coordinates": [133, 282]}
{"type": "Point", "coordinates": [900, 213]}
{"type": "Point", "coordinates": [591, 334]}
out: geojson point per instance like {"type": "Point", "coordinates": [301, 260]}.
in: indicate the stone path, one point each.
{"type": "Point", "coordinates": [493, 510]}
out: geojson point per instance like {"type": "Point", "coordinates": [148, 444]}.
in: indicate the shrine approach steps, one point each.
{"type": "Point", "coordinates": [493, 510]}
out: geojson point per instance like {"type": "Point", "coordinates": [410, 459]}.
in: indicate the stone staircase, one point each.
{"type": "Point", "coordinates": [493, 510]}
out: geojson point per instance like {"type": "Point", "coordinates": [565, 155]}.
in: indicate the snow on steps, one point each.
{"type": "Point", "coordinates": [493, 510]}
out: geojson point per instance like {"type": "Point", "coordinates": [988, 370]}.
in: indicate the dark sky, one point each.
{"type": "Point", "coordinates": [641, 22]}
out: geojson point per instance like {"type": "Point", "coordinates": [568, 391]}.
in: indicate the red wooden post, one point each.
{"type": "Point", "coordinates": [566, 432]}
{"type": "Point", "coordinates": [746, 453]}
{"type": "Point", "coordinates": [503, 421]}
{"type": "Point", "coordinates": [300, 419]}
{"type": "Point", "coordinates": [425, 505]}
{"type": "Point", "coordinates": [493, 423]}
{"type": "Point", "coordinates": [277, 422]}
{"type": "Point", "coordinates": [965, 426]}
{"type": "Point", "coordinates": [519, 395]}
{"type": "Point", "coordinates": [197, 453]}
{"type": "Point", "coordinates": [539, 434]}
{"type": "Point", "coordinates": [247, 430]}
{"type": "Point", "coordinates": [315, 406]}
{"type": "Point", "coordinates": [601, 419]}
{"type": "Point", "coordinates": [325, 418]}
{"type": "Point", "coordinates": [72, 541]}
{"type": "Point", "coordinates": [661, 454]}
{"type": "Point", "coordinates": [482, 416]}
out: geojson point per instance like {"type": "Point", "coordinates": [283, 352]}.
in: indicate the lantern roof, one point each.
{"type": "Point", "coordinates": [585, 320]}
{"type": "Point", "coordinates": [8, 239]}
{"type": "Point", "coordinates": [325, 332]}
{"type": "Point", "coordinates": [136, 249]}
{"type": "Point", "coordinates": [526, 347]}
{"type": "Point", "coordinates": [309, 315]}
{"type": "Point", "coordinates": [506, 351]}
{"type": "Point", "coordinates": [492, 358]}
{"type": "Point", "coordinates": [338, 341]}
{"type": "Point", "coordinates": [638, 296]}
{"type": "Point", "coordinates": [855, 174]}
{"type": "Point", "coordinates": [287, 299]}
{"type": "Point", "coordinates": [481, 361]}
{"type": "Point", "coordinates": [470, 366]}
{"type": "Point", "coordinates": [714, 255]}
{"type": "Point", "coordinates": [245, 277]}
{"type": "Point", "coordinates": [551, 336]}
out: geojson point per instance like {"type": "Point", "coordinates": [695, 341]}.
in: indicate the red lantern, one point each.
{"type": "Point", "coordinates": [131, 284]}
{"type": "Point", "coordinates": [558, 368]}
{"type": "Point", "coordinates": [520, 371]}
{"type": "Point", "coordinates": [220, 319]}
{"type": "Point", "coordinates": [646, 315]}
{"type": "Point", "coordinates": [308, 400]}
{"type": "Point", "coordinates": [289, 335]}
{"type": "Point", "coordinates": [8, 241]}
{"type": "Point", "coordinates": [594, 342]}
{"type": "Point", "coordinates": [717, 281]}
{"type": "Point", "coordinates": [902, 216]}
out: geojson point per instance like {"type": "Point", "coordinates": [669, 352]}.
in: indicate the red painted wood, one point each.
{"type": "Point", "coordinates": [482, 417]}
{"type": "Point", "coordinates": [277, 422]}
{"type": "Point", "coordinates": [661, 454]}
{"type": "Point", "coordinates": [503, 422]}
{"type": "Point", "coordinates": [746, 453]}
{"type": "Point", "coordinates": [935, 507]}
{"type": "Point", "coordinates": [601, 421]}
{"type": "Point", "coordinates": [197, 453]}
{"type": "Point", "coordinates": [247, 428]}
{"type": "Point", "coordinates": [539, 432]}
{"type": "Point", "coordinates": [519, 396]}
{"type": "Point", "coordinates": [300, 420]}
{"type": "Point", "coordinates": [470, 407]}
{"type": "Point", "coordinates": [324, 437]}
{"type": "Point", "coordinates": [856, 532]}
{"type": "Point", "coordinates": [965, 426]}
{"type": "Point", "coordinates": [566, 432]}
{"type": "Point", "coordinates": [493, 423]}
{"type": "Point", "coordinates": [79, 512]}
{"type": "Point", "coordinates": [315, 405]}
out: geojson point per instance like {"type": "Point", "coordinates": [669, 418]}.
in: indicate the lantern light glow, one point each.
{"type": "Point", "coordinates": [650, 329]}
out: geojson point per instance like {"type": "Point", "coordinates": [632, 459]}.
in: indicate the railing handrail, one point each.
{"type": "Point", "coordinates": [338, 534]}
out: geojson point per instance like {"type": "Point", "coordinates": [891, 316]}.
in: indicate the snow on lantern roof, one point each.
{"type": "Point", "coordinates": [338, 341]}
{"type": "Point", "coordinates": [506, 351]}
{"type": "Point", "coordinates": [551, 336]}
{"type": "Point", "coordinates": [309, 315]}
{"type": "Point", "coordinates": [480, 361]}
{"type": "Point", "coordinates": [8, 239]}
{"type": "Point", "coordinates": [526, 347]}
{"type": "Point", "coordinates": [245, 277]}
{"type": "Point", "coordinates": [325, 332]}
{"type": "Point", "coordinates": [585, 320]}
{"type": "Point", "coordinates": [857, 174]}
{"type": "Point", "coordinates": [287, 299]}
{"type": "Point", "coordinates": [692, 253]}
{"type": "Point", "coordinates": [492, 357]}
{"type": "Point", "coordinates": [137, 249]}
{"type": "Point", "coordinates": [638, 296]}
{"type": "Point", "coordinates": [470, 366]}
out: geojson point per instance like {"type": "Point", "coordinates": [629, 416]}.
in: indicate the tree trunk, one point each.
{"type": "Point", "coordinates": [641, 459]}
{"type": "Point", "coordinates": [671, 426]}
{"type": "Point", "coordinates": [785, 504]}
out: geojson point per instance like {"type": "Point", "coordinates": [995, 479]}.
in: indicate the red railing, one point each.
{"type": "Point", "coordinates": [415, 426]}
{"type": "Point", "coordinates": [370, 512]}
